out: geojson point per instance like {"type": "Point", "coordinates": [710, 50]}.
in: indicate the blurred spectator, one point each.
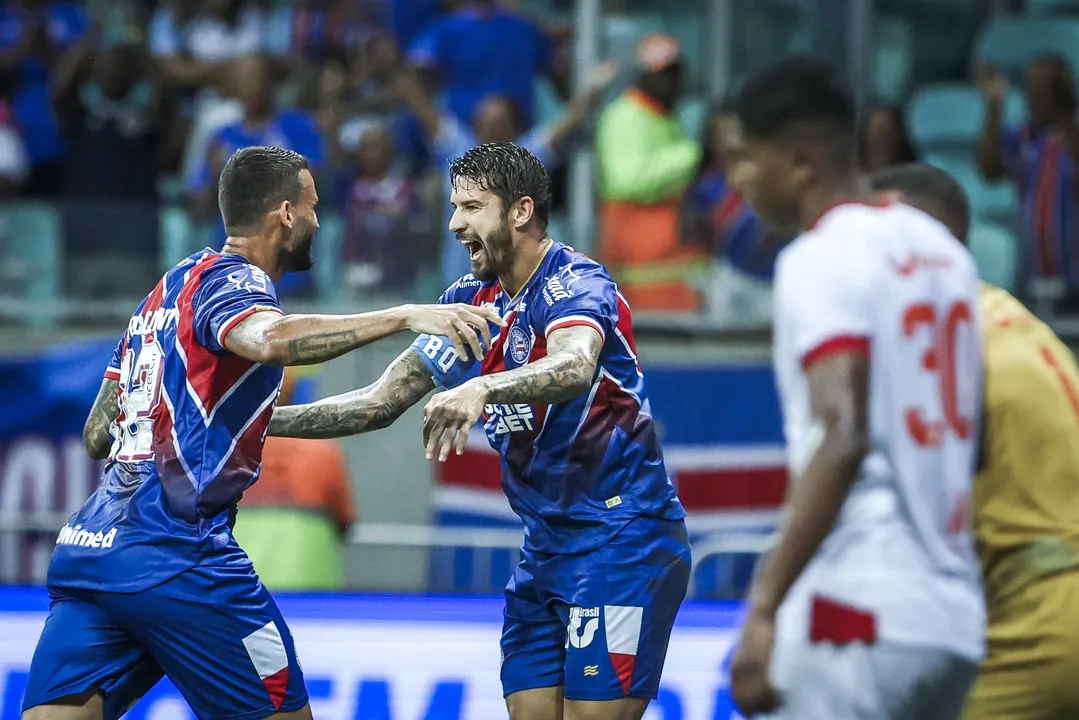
{"type": "Point", "coordinates": [293, 520]}
{"type": "Point", "coordinates": [260, 125]}
{"type": "Point", "coordinates": [646, 162]}
{"type": "Point", "coordinates": [385, 221]}
{"type": "Point", "coordinates": [739, 292]}
{"type": "Point", "coordinates": [14, 162]}
{"type": "Point", "coordinates": [115, 121]}
{"type": "Point", "coordinates": [316, 31]}
{"type": "Point", "coordinates": [884, 140]}
{"type": "Point", "coordinates": [33, 35]}
{"type": "Point", "coordinates": [409, 17]}
{"type": "Point", "coordinates": [496, 119]}
{"type": "Point", "coordinates": [1041, 156]}
{"type": "Point", "coordinates": [356, 91]}
{"type": "Point", "coordinates": [194, 43]}
{"type": "Point", "coordinates": [481, 49]}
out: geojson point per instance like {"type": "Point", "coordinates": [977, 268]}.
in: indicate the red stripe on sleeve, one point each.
{"type": "Point", "coordinates": [835, 345]}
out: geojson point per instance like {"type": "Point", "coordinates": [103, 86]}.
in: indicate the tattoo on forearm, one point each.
{"type": "Point", "coordinates": [316, 348]}
{"type": "Point", "coordinates": [95, 433]}
{"type": "Point", "coordinates": [376, 406]}
{"type": "Point", "coordinates": [566, 372]}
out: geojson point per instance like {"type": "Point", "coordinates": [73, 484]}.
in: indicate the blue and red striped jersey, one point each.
{"type": "Point", "coordinates": [576, 472]}
{"type": "Point", "coordinates": [1048, 183]}
{"type": "Point", "coordinates": [188, 437]}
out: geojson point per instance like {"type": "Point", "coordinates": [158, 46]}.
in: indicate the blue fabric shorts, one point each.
{"type": "Point", "coordinates": [215, 631]}
{"type": "Point", "coordinates": [598, 623]}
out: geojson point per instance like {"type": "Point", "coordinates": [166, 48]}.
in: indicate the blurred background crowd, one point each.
{"type": "Point", "coordinates": [117, 115]}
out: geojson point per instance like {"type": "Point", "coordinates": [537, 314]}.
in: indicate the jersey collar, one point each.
{"type": "Point", "coordinates": [524, 286]}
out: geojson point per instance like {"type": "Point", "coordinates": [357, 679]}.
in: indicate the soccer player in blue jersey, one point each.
{"type": "Point", "coordinates": [561, 395]}
{"type": "Point", "coordinates": [146, 579]}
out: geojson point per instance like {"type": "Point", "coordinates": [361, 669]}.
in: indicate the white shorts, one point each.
{"type": "Point", "coordinates": [875, 682]}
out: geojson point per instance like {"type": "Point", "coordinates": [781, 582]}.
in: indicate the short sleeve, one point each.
{"type": "Point", "coordinates": [447, 367]}
{"type": "Point", "coordinates": [538, 142]}
{"type": "Point", "coordinates": [577, 295]}
{"type": "Point", "coordinates": [453, 138]}
{"type": "Point", "coordinates": [822, 301]}
{"type": "Point", "coordinates": [112, 372]}
{"type": "Point", "coordinates": [1013, 146]}
{"type": "Point", "coordinates": [227, 296]}
{"type": "Point", "coordinates": [164, 39]}
{"type": "Point", "coordinates": [426, 49]}
{"type": "Point", "coordinates": [14, 162]}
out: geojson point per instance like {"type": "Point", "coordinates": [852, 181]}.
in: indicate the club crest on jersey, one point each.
{"type": "Point", "coordinates": [519, 345]}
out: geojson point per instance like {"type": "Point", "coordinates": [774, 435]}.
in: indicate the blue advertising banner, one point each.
{"type": "Point", "coordinates": [379, 657]}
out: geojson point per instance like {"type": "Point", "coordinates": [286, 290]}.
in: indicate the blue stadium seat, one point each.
{"type": "Point", "coordinates": [1010, 42]}
{"type": "Point", "coordinates": [994, 249]}
{"type": "Point", "coordinates": [948, 117]}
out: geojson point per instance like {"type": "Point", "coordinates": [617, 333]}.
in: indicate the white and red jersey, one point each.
{"type": "Point", "coordinates": [891, 282]}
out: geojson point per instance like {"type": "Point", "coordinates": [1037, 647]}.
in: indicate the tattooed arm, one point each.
{"type": "Point", "coordinates": [566, 372]}
{"type": "Point", "coordinates": [283, 340]}
{"type": "Point", "coordinates": [374, 407]}
{"type": "Point", "coordinates": [95, 433]}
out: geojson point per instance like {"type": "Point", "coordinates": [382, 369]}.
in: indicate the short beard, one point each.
{"type": "Point", "coordinates": [497, 248]}
{"type": "Point", "coordinates": [299, 257]}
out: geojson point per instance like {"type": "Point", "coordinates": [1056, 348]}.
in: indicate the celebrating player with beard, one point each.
{"type": "Point", "coordinates": [146, 579]}
{"type": "Point", "coordinates": [561, 395]}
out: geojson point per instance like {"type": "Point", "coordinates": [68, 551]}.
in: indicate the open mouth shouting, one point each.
{"type": "Point", "coordinates": [474, 248]}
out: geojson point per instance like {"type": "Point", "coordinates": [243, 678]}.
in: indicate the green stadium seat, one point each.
{"type": "Point", "coordinates": [948, 117]}
{"type": "Point", "coordinates": [894, 60]}
{"type": "Point", "coordinates": [1010, 42]}
{"type": "Point", "coordinates": [994, 249]}
{"type": "Point", "coordinates": [32, 239]}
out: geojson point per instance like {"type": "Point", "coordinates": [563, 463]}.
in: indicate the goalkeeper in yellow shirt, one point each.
{"type": "Point", "coordinates": [1026, 494]}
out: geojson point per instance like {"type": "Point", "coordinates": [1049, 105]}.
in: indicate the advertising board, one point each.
{"type": "Point", "coordinates": [379, 657]}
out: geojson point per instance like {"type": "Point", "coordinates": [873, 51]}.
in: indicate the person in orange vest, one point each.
{"type": "Point", "coordinates": [646, 162]}
{"type": "Point", "coordinates": [293, 520]}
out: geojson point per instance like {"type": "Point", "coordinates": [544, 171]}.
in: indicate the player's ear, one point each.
{"type": "Point", "coordinates": [286, 214]}
{"type": "Point", "coordinates": [523, 210]}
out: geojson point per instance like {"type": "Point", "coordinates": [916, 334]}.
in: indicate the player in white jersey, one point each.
{"type": "Point", "coordinates": [870, 606]}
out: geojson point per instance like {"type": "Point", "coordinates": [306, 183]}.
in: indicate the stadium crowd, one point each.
{"type": "Point", "coordinates": [122, 114]}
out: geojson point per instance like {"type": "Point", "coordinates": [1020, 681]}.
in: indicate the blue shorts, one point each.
{"type": "Point", "coordinates": [598, 623]}
{"type": "Point", "coordinates": [215, 631]}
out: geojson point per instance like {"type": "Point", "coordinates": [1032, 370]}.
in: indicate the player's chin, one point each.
{"type": "Point", "coordinates": [482, 271]}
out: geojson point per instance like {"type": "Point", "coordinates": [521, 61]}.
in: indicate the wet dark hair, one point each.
{"type": "Point", "coordinates": [509, 171]}
{"type": "Point", "coordinates": [796, 94]}
{"type": "Point", "coordinates": [930, 189]}
{"type": "Point", "coordinates": [254, 181]}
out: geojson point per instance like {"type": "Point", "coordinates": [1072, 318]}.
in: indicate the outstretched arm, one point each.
{"type": "Point", "coordinates": [95, 433]}
{"type": "Point", "coordinates": [568, 371]}
{"type": "Point", "coordinates": [284, 340]}
{"type": "Point", "coordinates": [374, 407]}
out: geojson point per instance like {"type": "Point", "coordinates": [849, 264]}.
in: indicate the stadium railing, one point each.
{"type": "Point", "coordinates": [489, 548]}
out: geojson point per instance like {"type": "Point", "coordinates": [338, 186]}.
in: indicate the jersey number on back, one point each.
{"type": "Point", "coordinates": [140, 391]}
{"type": "Point", "coordinates": [928, 426]}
